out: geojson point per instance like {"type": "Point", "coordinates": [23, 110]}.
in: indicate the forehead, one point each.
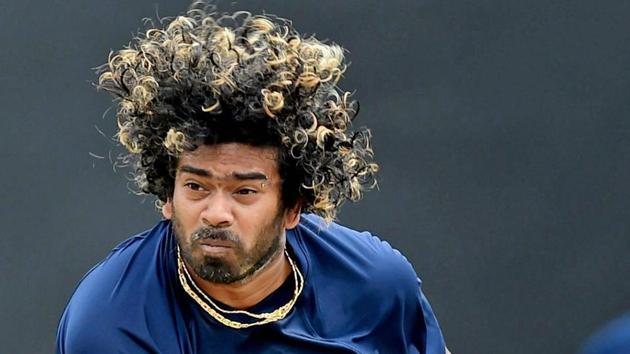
{"type": "Point", "coordinates": [230, 157]}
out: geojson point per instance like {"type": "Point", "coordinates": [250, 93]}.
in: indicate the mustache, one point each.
{"type": "Point", "coordinates": [209, 233]}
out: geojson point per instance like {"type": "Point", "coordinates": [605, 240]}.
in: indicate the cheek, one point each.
{"type": "Point", "coordinates": [255, 224]}
{"type": "Point", "coordinates": [246, 226]}
{"type": "Point", "coordinates": [186, 217]}
{"type": "Point", "coordinates": [182, 205]}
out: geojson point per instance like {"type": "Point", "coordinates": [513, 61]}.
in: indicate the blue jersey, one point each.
{"type": "Point", "coordinates": [614, 338]}
{"type": "Point", "coordinates": [360, 296]}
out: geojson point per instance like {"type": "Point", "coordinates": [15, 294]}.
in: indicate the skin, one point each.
{"type": "Point", "coordinates": [208, 194]}
{"type": "Point", "coordinates": [232, 190]}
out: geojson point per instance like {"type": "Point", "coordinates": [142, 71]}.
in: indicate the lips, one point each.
{"type": "Point", "coordinates": [216, 247]}
{"type": "Point", "coordinates": [216, 243]}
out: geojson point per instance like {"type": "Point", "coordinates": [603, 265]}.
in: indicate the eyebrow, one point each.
{"type": "Point", "coordinates": [241, 176]}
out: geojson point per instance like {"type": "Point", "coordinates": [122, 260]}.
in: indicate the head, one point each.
{"type": "Point", "coordinates": [227, 211]}
{"type": "Point", "coordinates": [236, 95]}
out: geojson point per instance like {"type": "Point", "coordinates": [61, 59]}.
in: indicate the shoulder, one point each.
{"type": "Point", "coordinates": [118, 268]}
{"type": "Point", "coordinates": [105, 298]}
{"type": "Point", "coordinates": [612, 339]}
{"type": "Point", "coordinates": [360, 256]}
{"type": "Point", "coordinates": [361, 284]}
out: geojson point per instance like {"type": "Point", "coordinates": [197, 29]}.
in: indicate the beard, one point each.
{"type": "Point", "coordinates": [221, 269]}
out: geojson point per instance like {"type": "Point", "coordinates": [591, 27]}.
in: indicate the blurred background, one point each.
{"type": "Point", "coordinates": [502, 128]}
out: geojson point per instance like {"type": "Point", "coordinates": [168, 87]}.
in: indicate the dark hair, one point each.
{"type": "Point", "coordinates": [209, 79]}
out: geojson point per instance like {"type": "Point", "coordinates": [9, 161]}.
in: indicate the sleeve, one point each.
{"type": "Point", "coordinates": [614, 338]}
{"type": "Point", "coordinates": [433, 341]}
{"type": "Point", "coordinates": [98, 320]}
{"type": "Point", "coordinates": [401, 293]}
{"type": "Point", "coordinates": [120, 306]}
{"type": "Point", "coordinates": [74, 336]}
{"type": "Point", "coordinates": [82, 331]}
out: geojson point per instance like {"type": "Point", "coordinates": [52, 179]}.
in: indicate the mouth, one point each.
{"type": "Point", "coordinates": [215, 246]}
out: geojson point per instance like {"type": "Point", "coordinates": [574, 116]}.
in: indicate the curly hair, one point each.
{"type": "Point", "coordinates": [206, 78]}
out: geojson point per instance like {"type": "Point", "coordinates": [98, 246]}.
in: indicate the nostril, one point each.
{"type": "Point", "coordinates": [217, 218]}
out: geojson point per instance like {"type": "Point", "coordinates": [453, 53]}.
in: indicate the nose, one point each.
{"type": "Point", "coordinates": [218, 212]}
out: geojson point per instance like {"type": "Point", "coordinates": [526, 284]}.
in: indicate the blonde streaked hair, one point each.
{"type": "Point", "coordinates": [206, 78]}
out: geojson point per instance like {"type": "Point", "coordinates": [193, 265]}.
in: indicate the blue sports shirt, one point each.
{"type": "Point", "coordinates": [360, 296]}
{"type": "Point", "coordinates": [614, 338]}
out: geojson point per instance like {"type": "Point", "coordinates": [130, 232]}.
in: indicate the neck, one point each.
{"type": "Point", "coordinates": [250, 291]}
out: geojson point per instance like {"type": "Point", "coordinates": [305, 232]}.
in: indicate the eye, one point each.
{"type": "Point", "coordinates": [246, 191]}
{"type": "Point", "coordinates": [193, 186]}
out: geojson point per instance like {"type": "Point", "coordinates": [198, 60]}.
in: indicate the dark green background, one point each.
{"type": "Point", "coordinates": [502, 129]}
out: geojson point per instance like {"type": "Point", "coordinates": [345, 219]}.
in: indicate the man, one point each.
{"type": "Point", "coordinates": [236, 125]}
{"type": "Point", "coordinates": [613, 338]}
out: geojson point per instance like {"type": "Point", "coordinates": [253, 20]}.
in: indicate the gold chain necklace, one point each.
{"type": "Point", "coordinates": [215, 310]}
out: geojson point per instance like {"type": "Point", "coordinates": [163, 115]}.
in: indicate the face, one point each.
{"type": "Point", "coordinates": [226, 210]}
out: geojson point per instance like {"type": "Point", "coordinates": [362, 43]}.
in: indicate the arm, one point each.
{"type": "Point", "coordinates": [433, 339]}
{"type": "Point", "coordinates": [87, 332]}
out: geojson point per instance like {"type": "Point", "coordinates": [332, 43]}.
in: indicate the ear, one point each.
{"type": "Point", "coordinates": [292, 216]}
{"type": "Point", "coordinates": [167, 209]}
